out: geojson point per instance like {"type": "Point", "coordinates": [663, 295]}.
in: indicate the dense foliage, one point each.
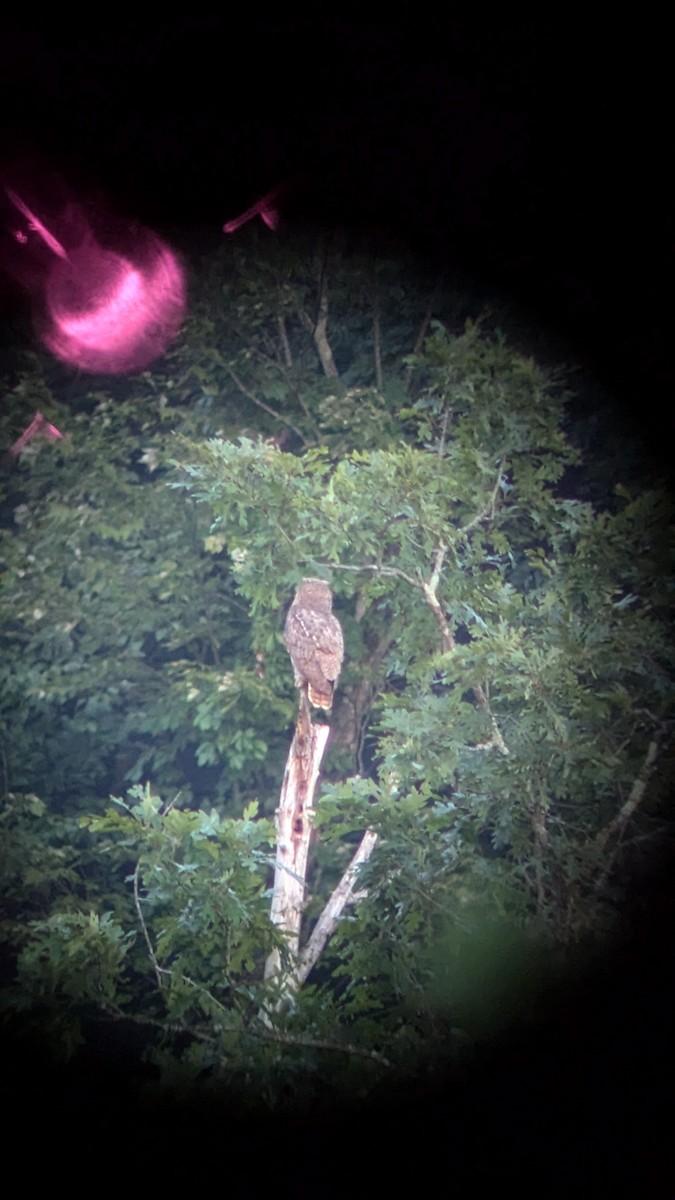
{"type": "Point", "coordinates": [504, 712]}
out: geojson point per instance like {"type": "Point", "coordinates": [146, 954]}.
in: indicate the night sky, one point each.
{"type": "Point", "coordinates": [530, 155]}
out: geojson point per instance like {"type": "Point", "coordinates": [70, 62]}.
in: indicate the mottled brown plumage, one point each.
{"type": "Point", "coordinates": [313, 639]}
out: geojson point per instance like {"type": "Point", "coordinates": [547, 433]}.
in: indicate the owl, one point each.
{"type": "Point", "coordinates": [313, 638]}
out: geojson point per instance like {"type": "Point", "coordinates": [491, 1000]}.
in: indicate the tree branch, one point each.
{"type": "Point", "coordinates": [285, 344]}
{"type": "Point", "coordinates": [159, 970]}
{"type": "Point", "coordinates": [489, 511]}
{"type": "Point", "coordinates": [260, 403]}
{"type": "Point", "coordinates": [637, 792]}
{"type": "Point", "coordinates": [341, 896]}
{"type": "Point", "coordinates": [377, 344]}
{"type": "Point", "coordinates": [289, 1039]}
{"type": "Point", "coordinates": [429, 589]}
{"type": "Point", "coordinates": [319, 333]}
{"type": "Point", "coordinates": [294, 826]}
{"type": "Point", "coordinates": [421, 336]}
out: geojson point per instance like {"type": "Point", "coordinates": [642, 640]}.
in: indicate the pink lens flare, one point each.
{"type": "Point", "coordinates": [108, 323]}
{"type": "Point", "coordinates": [271, 217]}
{"type": "Point", "coordinates": [264, 208]}
{"type": "Point", "coordinates": [112, 298]}
{"type": "Point", "coordinates": [35, 224]}
{"type": "Point", "coordinates": [39, 427]}
{"type": "Point", "coordinates": [112, 313]}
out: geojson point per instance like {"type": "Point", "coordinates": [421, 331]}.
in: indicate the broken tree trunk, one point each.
{"type": "Point", "coordinates": [294, 829]}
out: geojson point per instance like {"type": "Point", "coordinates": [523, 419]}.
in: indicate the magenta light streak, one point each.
{"type": "Point", "coordinates": [39, 426]}
{"type": "Point", "coordinates": [110, 296]}
{"type": "Point", "coordinates": [264, 208]}
{"type": "Point", "coordinates": [271, 217]}
{"type": "Point", "coordinates": [36, 224]}
{"type": "Point", "coordinates": [112, 313]}
{"type": "Point", "coordinates": [109, 325]}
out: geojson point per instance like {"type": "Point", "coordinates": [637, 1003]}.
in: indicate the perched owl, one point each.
{"type": "Point", "coordinates": [314, 641]}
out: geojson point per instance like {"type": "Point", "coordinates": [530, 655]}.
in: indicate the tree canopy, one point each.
{"type": "Point", "coordinates": [503, 717]}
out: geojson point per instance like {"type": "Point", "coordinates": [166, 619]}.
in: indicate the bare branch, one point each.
{"type": "Point", "coordinates": [637, 793]}
{"type": "Point", "coordinates": [393, 571]}
{"type": "Point", "coordinates": [447, 413]}
{"type": "Point", "coordinates": [288, 1039]}
{"type": "Point", "coordinates": [424, 330]}
{"type": "Point", "coordinates": [260, 403]}
{"type": "Point", "coordinates": [488, 512]}
{"type": "Point", "coordinates": [319, 333]}
{"type": "Point", "coordinates": [341, 896]}
{"type": "Point", "coordinates": [285, 345]}
{"type": "Point", "coordinates": [159, 971]}
{"type": "Point", "coordinates": [377, 344]}
{"type": "Point", "coordinates": [429, 589]}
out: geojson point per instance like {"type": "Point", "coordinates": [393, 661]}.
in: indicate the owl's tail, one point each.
{"type": "Point", "coordinates": [323, 699]}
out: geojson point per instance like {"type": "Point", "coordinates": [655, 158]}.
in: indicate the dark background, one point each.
{"type": "Point", "coordinates": [531, 153]}
{"type": "Point", "coordinates": [531, 156]}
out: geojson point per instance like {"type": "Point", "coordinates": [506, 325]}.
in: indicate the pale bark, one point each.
{"type": "Point", "coordinates": [342, 895]}
{"type": "Point", "coordinates": [294, 827]}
